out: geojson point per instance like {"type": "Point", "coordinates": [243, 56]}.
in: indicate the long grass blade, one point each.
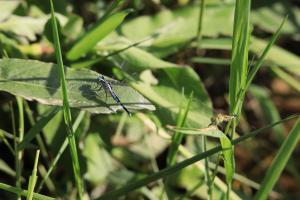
{"type": "Point", "coordinates": [33, 177]}
{"type": "Point", "coordinates": [66, 107]}
{"type": "Point", "coordinates": [261, 59]}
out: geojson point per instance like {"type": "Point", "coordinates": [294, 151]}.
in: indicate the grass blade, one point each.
{"type": "Point", "coordinates": [33, 177]}
{"type": "Point", "coordinates": [240, 46]}
{"type": "Point", "coordinates": [177, 137]}
{"type": "Point", "coordinates": [66, 107]}
{"type": "Point", "coordinates": [18, 191]}
{"type": "Point", "coordinates": [259, 63]}
{"type": "Point", "coordinates": [279, 162]}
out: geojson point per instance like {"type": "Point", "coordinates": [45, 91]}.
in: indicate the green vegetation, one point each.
{"type": "Point", "coordinates": [213, 88]}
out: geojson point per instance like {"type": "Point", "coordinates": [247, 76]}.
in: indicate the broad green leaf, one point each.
{"type": "Point", "coordinates": [171, 29]}
{"type": "Point", "coordinates": [180, 25]}
{"type": "Point", "coordinates": [39, 81]}
{"type": "Point", "coordinates": [97, 33]}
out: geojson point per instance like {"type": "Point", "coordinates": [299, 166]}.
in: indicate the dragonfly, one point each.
{"type": "Point", "coordinates": [107, 87]}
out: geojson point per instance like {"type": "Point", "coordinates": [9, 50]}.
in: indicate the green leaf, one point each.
{"type": "Point", "coordinates": [179, 25]}
{"type": "Point", "coordinates": [239, 58]}
{"type": "Point", "coordinates": [36, 80]}
{"type": "Point", "coordinates": [97, 33]}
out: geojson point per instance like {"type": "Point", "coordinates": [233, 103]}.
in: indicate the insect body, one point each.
{"type": "Point", "coordinates": [107, 87]}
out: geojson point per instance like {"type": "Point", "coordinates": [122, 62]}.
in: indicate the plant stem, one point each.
{"type": "Point", "coordinates": [19, 154]}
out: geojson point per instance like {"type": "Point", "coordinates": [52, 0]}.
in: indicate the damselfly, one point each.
{"type": "Point", "coordinates": [107, 87]}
